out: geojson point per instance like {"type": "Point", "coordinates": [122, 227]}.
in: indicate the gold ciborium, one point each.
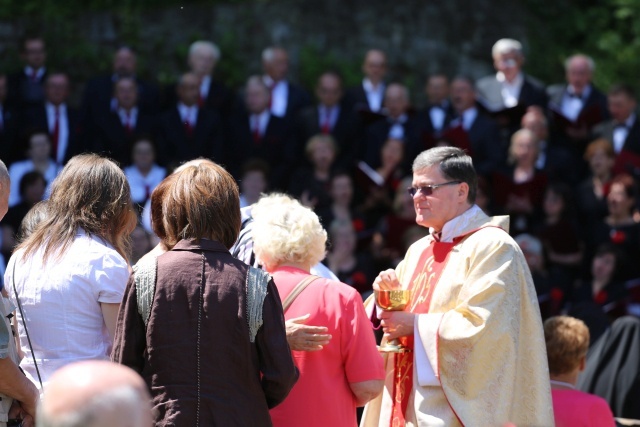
{"type": "Point", "coordinates": [392, 300]}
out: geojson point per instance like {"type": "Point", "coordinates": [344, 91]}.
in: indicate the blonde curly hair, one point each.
{"type": "Point", "coordinates": [285, 232]}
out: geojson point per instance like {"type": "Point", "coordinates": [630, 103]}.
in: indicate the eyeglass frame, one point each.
{"type": "Point", "coordinates": [427, 190]}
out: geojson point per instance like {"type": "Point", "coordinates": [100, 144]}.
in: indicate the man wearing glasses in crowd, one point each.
{"type": "Point", "coordinates": [472, 326]}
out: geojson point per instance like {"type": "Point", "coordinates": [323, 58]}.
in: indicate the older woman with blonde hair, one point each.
{"type": "Point", "coordinates": [203, 329]}
{"type": "Point", "coordinates": [70, 273]}
{"type": "Point", "coordinates": [348, 372]}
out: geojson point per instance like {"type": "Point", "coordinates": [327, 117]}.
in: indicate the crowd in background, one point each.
{"type": "Point", "coordinates": [563, 161]}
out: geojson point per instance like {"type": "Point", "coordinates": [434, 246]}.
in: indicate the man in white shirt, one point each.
{"type": "Point", "coordinates": [439, 111]}
{"type": "Point", "coordinates": [203, 58]}
{"type": "Point", "coordinates": [623, 130]}
{"type": "Point", "coordinates": [369, 95]}
{"type": "Point", "coordinates": [286, 98]}
{"type": "Point", "coordinates": [576, 106]}
{"type": "Point", "coordinates": [510, 87]}
{"type": "Point", "coordinates": [26, 87]}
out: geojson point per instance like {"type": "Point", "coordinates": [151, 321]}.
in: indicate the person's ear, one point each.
{"type": "Point", "coordinates": [463, 190]}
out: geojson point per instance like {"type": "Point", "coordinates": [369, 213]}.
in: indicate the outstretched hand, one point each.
{"type": "Point", "coordinates": [303, 337]}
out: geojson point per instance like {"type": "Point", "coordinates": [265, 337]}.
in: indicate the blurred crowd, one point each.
{"type": "Point", "coordinates": [562, 160]}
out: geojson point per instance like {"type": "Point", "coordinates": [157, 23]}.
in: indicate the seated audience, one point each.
{"type": "Point", "coordinates": [619, 226]}
{"type": "Point", "coordinates": [519, 189]}
{"type": "Point", "coordinates": [567, 342]}
{"type": "Point", "coordinates": [38, 159]}
{"type": "Point", "coordinates": [591, 194]}
{"type": "Point", "coordinates": [312, 185]}
{"type": "Point", "coordinates": [605, 287]}
{"type": "Point", "coordinates": [354, 268]}
{"type": "Point", "coordinates": [144, 174]}
{"type": "Point", "coordinates": [253, 181]}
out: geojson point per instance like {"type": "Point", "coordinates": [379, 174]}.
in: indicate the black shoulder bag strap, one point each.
{"type": "Point", "coordinates": [24, 323]}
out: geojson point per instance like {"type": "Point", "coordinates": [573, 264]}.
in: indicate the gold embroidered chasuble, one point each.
{"type": "Point", "coordinates": [482, 336]}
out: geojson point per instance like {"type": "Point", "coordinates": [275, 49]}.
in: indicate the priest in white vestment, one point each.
{"type": "Point", "coordinates": [473, 325]}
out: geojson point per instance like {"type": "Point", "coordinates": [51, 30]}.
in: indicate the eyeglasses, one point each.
{"type": "Point", "coordinates": [427, 190]}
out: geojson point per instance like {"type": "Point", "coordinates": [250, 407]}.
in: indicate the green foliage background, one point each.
{"type": "Point", "coordinates": [608, 30]}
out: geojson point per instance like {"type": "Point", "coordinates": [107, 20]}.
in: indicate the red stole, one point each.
{"type": "Point", "coordinates": [423, 282]}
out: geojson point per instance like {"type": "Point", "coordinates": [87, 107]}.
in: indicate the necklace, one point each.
{"type": "Point", "coordinates": [563, 384]}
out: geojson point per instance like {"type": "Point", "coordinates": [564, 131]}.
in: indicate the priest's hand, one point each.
{"type": "Point", "coordinates": [387, 280]}
{"type": "Point", "coordinates": [397, 324]}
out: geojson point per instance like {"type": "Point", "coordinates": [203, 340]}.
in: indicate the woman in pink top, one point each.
{"type": "Point", "coordinates": [343, 374]}
{"type": "Point", "coordinates": [567, 344]}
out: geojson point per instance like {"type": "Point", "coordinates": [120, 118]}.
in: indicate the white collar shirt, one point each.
{"type": "Point", "coordinates": [188, 114]}
{"type": "Point", "coordinates": [375, 95]}
{"type": "Point", "coordinates": [205, 85]}
{"type": "Point", "coordinates": [396, 131]}
{"type": "Point", "coordinates": [279, 96]}
{"type": "Point", "coordinates": [510, 90]}
{"type": "Point", "coordinates": [261, 121]}
{"type": "Point", "coordinates": [63, 129]}
{"type": "Point", "coordinates": [572, 104]}
{"type": "Point", "coordinates": [128, 118]}
{"type": "Point", "coordinates": [621, 132]}
{"type": "Point", "coordinates": [142, 185]}
{"type": "Point", "coordinates": [330, 113]}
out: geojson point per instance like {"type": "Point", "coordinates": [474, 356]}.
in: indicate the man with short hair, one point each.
{"type": "Point", "coordinates": [98, 94]}
{"type": "Point", "coordinates": [187, 131]}
{"type": "Point", "coordinates": [576, 106]}
{"type": "Point", "coordinates": [115, 132]}
{"type": "Point", "coordinates": [257, 132]}
{"type": "Point", "coordinates": [203, 58]}
{"type": "Point", "coordinates": [439, 111]}
{"type": "Point", "coordinates": [61, 120]}
{"type": "Point", "coordinates": [95, 394]}
{"type": "Point", "coordinates": [472, 322]}
{"type": "Point", "coordinates": [369, 95]}
{"type": "Point", "coordinates": [286, 98]}
{"type": "Point", "coordinates": [18, 396]}
{"type": "Point", "coordinates": [473, 130]}
{"type": "Point", "coordinates": [623, 130]}
{"type": "Point", "coordinates": [399, 124]}
{"type": "Point", "coordinates": [510, 91]}
{"type": "Point", "coordinates": [26, 87]}
{"type": "Point", "coordinates": [328, 117]}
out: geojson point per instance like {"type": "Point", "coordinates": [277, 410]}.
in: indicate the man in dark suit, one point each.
{"type": "Point", "coordinates": [187, 131]}
{"type": "Point", "coordinates": [61, 120]}
{"type": "Point", "coordinates": [473, 130]}
{"type": "Point", "coordinates": [115, 133]}
{"type": "Point", "coordinates": [576, 106]}
{"type": "Point", "coordinates": [26, 87]}
{"type": "Point", "coordinates": [369, 95]}
{"type": "Point", "coordinates": [508, 93]}
{"type": "Point", "coordinates": [439, 112]}
{"type": "Point", "coordinates": [623, 130]}
{"type": "Point", "coordinates": [398, 124]}
{"type": "Point", "coordinates": [557, 162]}
{"type": "Point", "coordinates": [287, 99]}
{"type": "Point", "coordinates": [328, 117]}
{"type": "Point", "coordinates": [98, 94]}
{"type": "Point", "coordinates": [257, 133]}
{"type": "Point", "coordinates": [8, 126]}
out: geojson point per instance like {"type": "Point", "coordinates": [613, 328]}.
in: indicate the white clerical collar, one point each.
{"type": "Point", "coordinates": [454, 227]}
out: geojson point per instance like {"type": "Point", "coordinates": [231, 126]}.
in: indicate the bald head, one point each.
{"type": "Point", "coordinates": [95, 394]}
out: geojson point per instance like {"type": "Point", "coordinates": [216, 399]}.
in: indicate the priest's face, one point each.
{"type": "Point", "coordinates": [442, 205]}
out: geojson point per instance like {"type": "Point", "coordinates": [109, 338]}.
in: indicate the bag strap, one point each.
{"type": "Point", "coordinates": [297, 291]}
{"type": "Point", "coordinates": [24, 323]}
{"type": "Point", "coordinates": [145, 276]}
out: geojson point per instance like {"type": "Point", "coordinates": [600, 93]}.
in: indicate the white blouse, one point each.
{"type": "Point", "coordinates": [61, 302]}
